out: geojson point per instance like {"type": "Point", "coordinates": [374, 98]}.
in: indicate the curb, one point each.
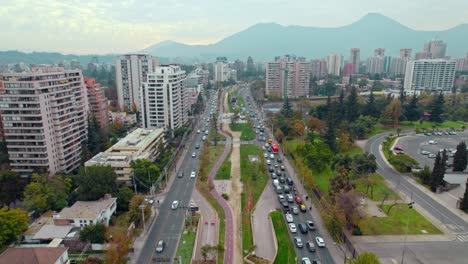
{"type": "Point", "coordinates": [195, 245]}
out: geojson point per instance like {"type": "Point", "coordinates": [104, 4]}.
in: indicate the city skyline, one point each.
{"type": "Point", "coordinates": [91, 26]}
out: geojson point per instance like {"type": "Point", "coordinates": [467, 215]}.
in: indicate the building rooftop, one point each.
{"type": "Point", "coordinates": [85, 209]}
{"type": "Point", "coordinates": [456, 178]}
{"type": "Point", "coordinates": [133, 146]}
{"type": "Point", "coordinates": [33, 255]}
{"type": "Point", "coordinates": [51, 231]}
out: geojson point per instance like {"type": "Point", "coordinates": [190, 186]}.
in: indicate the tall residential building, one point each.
{"type": "Point", "coordinates": [355, 58]}
{"type": "Point", "coordinates": [44, 114]}
{"type": "Point", "coordinates": [334, 63]}
{"type": "Point", "coordinates": [398, 65]}
{"type": "Point", "coordinates": [348, 69]}
{"type": "Point", "coordinates": [97, 101]}
{"type": "Point", "coordinates": [429, 75]}
{"type": "Point", "coordinates": [318, 68]}
{"type": "Point", "coordinates": [221, 71]}
{"type": "Point", "coordinates": [437, 48]}
{"type": "Point", "coordinates": [405, 53]}
{"type": "Point", "coordinates": [376, 65]}
{"type": "Point", "coordinates": [379, 52]}
{"type": "Point", "coordinates": [424, 55]}
{"type": "Point", "coordinates": [164, 99]}
{"type": "Point", "coordinates": [131, 70]}
{"type": "Point", "coordinates": [298, 77]}
{"type": "Point", "coordinates": [462, 63]}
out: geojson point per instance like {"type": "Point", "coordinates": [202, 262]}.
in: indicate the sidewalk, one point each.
{"type": "Point", "coordinates": [208, 233]}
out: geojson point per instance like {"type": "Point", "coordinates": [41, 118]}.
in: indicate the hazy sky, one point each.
{"type": "Point", "coordinates": [113, 26]}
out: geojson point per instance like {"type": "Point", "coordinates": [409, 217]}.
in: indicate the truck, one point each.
{"type": "Point", "coordinates": [274, 147]}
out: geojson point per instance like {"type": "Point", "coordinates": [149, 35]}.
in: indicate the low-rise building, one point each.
{"type": "Point", "coordinates": [140, 144]}
{"type": "Point", "coordinates": [83, 213]}
{"type": "Point", "coordinates": [35, 255]}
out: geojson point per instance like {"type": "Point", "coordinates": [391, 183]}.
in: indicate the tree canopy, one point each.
{"type": "Point", "coordinates": [94, 182]}
{"type": "Point", "coordinates": [12, 223]}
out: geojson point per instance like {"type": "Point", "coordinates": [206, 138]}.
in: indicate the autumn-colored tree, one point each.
{"type": "Point", "coordinates": [119, 247]}
{"type": "Point", "coordinates": [298, 128]}
{"type": "Point", "coordinates": [391, 114]}
{"type": "Point", "coordinates": [135, 213]}
{"type": "Point", "coordinates": [344, 142]}
{"type": "Point", "coordinates": [348, 202]}
{"type": "Point", "coordinates": [279, 135]}
{"type": "Point", "coordinates": [315, 124]}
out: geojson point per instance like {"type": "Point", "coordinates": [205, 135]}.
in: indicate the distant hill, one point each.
{"type": "Point", "coordinates": [50, 57]}
{"type": "Point", "coordinates": [267, 40]}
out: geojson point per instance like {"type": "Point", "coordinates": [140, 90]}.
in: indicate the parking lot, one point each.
{"type": "Point", "coordinates": [420, 148]}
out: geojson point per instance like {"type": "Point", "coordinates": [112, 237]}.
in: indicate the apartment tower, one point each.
{"type": "Point", "coordinates": [164, 98]}
{"type": "Point", "coordinates": [97, 101]}
{"type": "Point", "coordinates": [297, 77]}
{"type": "Point", "coordinates": [131, 71]}
{"type": "Point", "coordinates": [429, 75]}
{"type": "Point", "coordinates": [355, 58]}
{"type": "Point", "coordinates": [44, 113]}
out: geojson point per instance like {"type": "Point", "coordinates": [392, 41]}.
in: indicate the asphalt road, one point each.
{"type": "Point", "coordinates": [451, 220]}
{"type": "Point", "coordinates": [169, 223]}
{"type": "Point", "coordinates": [321, 253]}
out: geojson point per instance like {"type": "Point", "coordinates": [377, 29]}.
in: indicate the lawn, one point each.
{"type": "Point", "coordinates": [247, 130]}
{"type": "Point", "coordinates": [396, 222]}
{"type": "Point", "coordinates": [213, 135]}
{"type": "Point", "coordinates": [224, 172]}
{"type": "Point", "coordinates": [286, 253]}
{"type": "Point", "coordinates": [322, 179]}
{"type": "Point", "coordinates": [379, 189]}
{"type": "Point", "coordinates": [186, 243]}
{"type": "Point", "coordinates": [254, 177]}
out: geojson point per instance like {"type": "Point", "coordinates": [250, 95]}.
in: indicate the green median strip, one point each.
{"type": "Point", "coordinates": [286, 253]}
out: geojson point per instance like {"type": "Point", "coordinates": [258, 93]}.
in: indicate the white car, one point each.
{"type": "Point", "coordinates": [193, 174]}
{"type": "Point", "coordinates": [320, 242]}
{"type": "Point", "coordinates": [194, 155]}
{"type": "Point", "coordinates": [306, 260]}
{"type": "Point", "coordinates": [204, 138]}
{"type": "Point", "coordinates": [160, 247]}
{"type": "Point", "coordinates": [265, 155]}
{"type": "Point", "coordinates": [425, 152]}
{"type": "Point", "coordinates": [432, 142]}
{"type": "Point", "coordinates": [268, 162]}
{"type": "Point", "coordinates": [272, 156]}
{"type": "Point", "coordinates": [289, 218]}
{"type": "Point", "coordinates": [175, 204]}
{"type": "Point", "coordinates": [292, 228]}
{"type": "Point", "coordinates": [432, 156]}
{"type": "Point", "coordinates": [198, 131]}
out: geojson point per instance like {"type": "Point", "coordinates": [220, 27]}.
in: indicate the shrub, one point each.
{"type": "Point", "coordinates": [225, 196]}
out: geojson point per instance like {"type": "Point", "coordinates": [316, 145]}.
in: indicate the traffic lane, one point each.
{"type": "Point", "coordinates": [454, 222]}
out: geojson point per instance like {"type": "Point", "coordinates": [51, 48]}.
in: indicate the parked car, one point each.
{"type": "Point", "coordinates": [320, 242]}
{"type": "Point", "coordinates": [425, 152]}
{"type": "Point", "coordinates": [432, 156]}
{"type": "Point", "coordinates": [432, 142]}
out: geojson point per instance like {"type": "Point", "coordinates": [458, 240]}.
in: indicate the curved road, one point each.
{"type": "Point", "coordinates": [447, 217]}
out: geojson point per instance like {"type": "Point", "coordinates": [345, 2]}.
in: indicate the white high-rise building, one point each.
{"type": "Point", "coordinates": [164, 98]}
{"type": "Point", "coordinates": [131, 70]}
{"type": "Point", "coordinates": [376, 65]}
{"type": "Point", "coordinates": [298, 77]}
{"type": "Point", "coordinates": [44, 116]}
{"type": "Point", "coordinates": [222, 71]}
{"type": "Point", "coordinates": [398, 65]}
{"type": "Point", "coordinates": [334, 63]}
{"type": "Point", "coordinates": [429, 75]}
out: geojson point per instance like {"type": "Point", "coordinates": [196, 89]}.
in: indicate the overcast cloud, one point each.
{"type": "Point", "coordinates": [112, 26]}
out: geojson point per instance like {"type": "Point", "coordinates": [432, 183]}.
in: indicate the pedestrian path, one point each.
{"type": "Point", "coordinates": [209, 227]}
{"type": "Point", "coordinates": [463, 238]}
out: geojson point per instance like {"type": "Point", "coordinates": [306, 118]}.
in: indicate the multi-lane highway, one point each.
{"type": "Point", "coordinates": [322, 254]}
{"type": "Point", "coordinates": [169, 223]}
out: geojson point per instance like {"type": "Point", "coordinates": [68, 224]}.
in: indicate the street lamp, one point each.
{"type": "Point", "coordinates": [142, 207]}
{"type": "Point", "coordinates": [410, 206]}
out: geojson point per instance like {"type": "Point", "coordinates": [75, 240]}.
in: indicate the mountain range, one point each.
{"type": "Point", "coordinates": [264, 41]}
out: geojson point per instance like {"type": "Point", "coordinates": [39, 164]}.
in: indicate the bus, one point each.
{"type": "Point", "coordinates": [274, 147]}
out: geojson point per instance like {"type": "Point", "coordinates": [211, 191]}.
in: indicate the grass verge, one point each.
{"type": "Point", "coordinates": [254, 177]}
{"type": "Point", "coordinates": [395, 223]}
{"type": "Point", "coordinates": [224, 172]}
{"type": "Point", "coordinates": [208, 158]}
{"type": "Point", "coordinates": [286, 253]}
{"type": "Point", "coordinates": [246, 129]}
{"type": "Point", "coordinates": [186, 243]}
{"type": "Point", "coordinates": [379, 189]}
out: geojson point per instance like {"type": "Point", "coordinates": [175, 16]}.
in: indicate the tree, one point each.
{"type": "Point", "coordinates": [437, 176]}
{"type": "Point", "coordinates": [44, 193]}
{"type": "Point", "coordinates": [411, 109]}
{"type": "Point", "coordinates": [95, 181]}
{"type": "Point", "coordinates": [93, 233]}
{"type": "Point", "coordinates": [464, 200]}
{"type": "Point", "coordinates": [330, 129]}
{"type": "Point", "coordinates": [299, 128]}
{"type": "Point", "coordinates": [315, 124]}
{"type": "Point", "coordinates": [146, 172]}
{"type": "Point", "coordinates": [341, 114]}
{"type": "Point", "coordinates": [391, 114]}
{"type": "Point", "coordinates": [424, 175]}
{"type": "Point", "coordinates": [366, 258]}
{"type": "Point", "coordinates": [124, 195]}
{"type": "Point", "coordinates": [460, 158]}
{"type": "Point", "coordinates": [92, 260]}
{"type": "Point", "coordinates": [287, 108]}
{"type": "Point", "coordinates": [11, 187]}
{"type": "Point", "coordinates": [279, 135]}
{"type": "Point", "coordinates": [437, 108]}
{"type": "Point", "coordinates": [340, 183]}
{"type": "Point", "coordinates": [370, 108]}
{"type": "Point", "coordinates": [135, 211]}
{"type": "Point", "coordinates": [209, 252]}
{"type": "Point", "coordinates": [119, 248]}
{"type": "Point", "coordinates": [12, 223]}
{"type": "Point", "coordinates": [344, 142]}
{"type": "Point", "coordinates": [352, 106]}
{"type": "Point", "coordinates": [316, 155]}
{"type": "Point", "coordinates": [348, 202]}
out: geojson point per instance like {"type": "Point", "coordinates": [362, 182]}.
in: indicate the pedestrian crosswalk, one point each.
{"type": "Point", "coordinates": [462, 238]}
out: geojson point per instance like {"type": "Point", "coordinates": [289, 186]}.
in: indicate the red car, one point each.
{"type": "Point", "coordinates": [298, 200]}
